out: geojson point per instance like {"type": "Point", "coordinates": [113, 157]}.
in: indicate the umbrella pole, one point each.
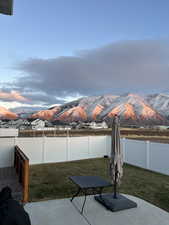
{"type": "Point", "coordinates": [115, 183]}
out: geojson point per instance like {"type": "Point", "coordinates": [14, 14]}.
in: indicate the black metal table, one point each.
{"type": "Point", "coordinates": [89, 185]}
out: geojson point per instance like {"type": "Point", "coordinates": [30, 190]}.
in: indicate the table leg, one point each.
{"type": "Point", "coordinates": [78, 191]}
{"type": "Point", "coordinates": [84, 202]}
{"type": "Point", "coordinates": [100, 192]}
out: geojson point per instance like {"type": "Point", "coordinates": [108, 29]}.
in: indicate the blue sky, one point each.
{"type": "Point", "coordinates": [40, 32]}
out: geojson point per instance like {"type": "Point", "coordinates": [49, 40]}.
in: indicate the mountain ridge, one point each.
{"type": "Point", "coordinates": [130, 107]}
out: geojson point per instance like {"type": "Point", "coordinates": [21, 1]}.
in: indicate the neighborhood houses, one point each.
{"type": "Point", "coordinates": [39, 124]}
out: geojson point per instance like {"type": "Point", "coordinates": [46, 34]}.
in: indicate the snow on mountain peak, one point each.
{"type": "Point", "coordinates": [6, 114]}
{"type": "Point", "coordinates": [73, 114]}
{"type": "Point", "coordinates": [129, 106]}
{"type": "Point", "coordinates": [160, 102]}
{"type": "Point", "coordinates": [46, 114]}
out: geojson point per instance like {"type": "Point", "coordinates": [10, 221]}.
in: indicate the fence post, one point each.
{"type": "Point", "coordinates": [55, 131]}
{"type": "Point", "coordinates": [13, 154]}
{"type": "Point", "coordinates": [89, 147]}
{"type": "Point", "coordinates": [105, 145]}
{"type": "Point", "coordinates": [67, 148]}
{"type": "Point", "coordinates": [26, 182]}
{"type": "Point", "coordinates": [124, 149]}
{"type": "Point", "coordinates": [148, 154]}
{"type": "Point", "coordinates": [15, 140]}
{"type": "Point", "coordinates": [43, 148]}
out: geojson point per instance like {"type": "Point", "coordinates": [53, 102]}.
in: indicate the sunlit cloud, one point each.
{"type": "Point", "coordinates": [12, 96]}
{"type": "Point", "coordinates": [14, 104]}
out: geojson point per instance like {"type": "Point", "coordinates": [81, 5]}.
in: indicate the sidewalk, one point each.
{"type": "Point", "coordinates": [63, 212]}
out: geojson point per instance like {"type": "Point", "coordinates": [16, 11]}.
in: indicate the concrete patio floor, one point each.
{"type": "Point", "coordinates": [63, 212]}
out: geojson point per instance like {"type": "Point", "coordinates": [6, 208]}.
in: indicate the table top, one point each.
{"type": "Point", "coordinates": [90, 181]}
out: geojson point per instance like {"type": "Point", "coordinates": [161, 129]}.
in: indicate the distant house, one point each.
{"type": "Point", "coordinates": [23, 124]}
{"type": "Point", "coordinates": [83, 125]}
{"type": "Point", "coordinates": [161, 127]}
{"type": "Point", "coordinates": [74, 125]}
{"type": "Point", "coordinates": [63, 127]}
{"type": "Point", "coordinates": [48, 124]}
{"type": "Point", "coordinates": [4, 124]}
{"type": "Point", "coordinates": [101, 125]}
{"type": "Point", "coordinates": [15, 123]}
{"type": "Point", "coordinates": [36, 124]}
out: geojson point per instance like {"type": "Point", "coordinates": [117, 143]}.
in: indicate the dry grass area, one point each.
{"type": "Point", "coordinates": [51, 181]}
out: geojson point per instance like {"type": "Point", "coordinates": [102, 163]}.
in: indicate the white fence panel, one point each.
{"type": "Point", "coordinates": [159, 157]}
{"type": "Point", "coordinates": [55, 149]}
{"type": "Point", "coordinates": [78, 148]}
{"type": "Point", "coordinates": [6, 152]}
{"type": "Point", "coordinates": [153, 156]}
{"type": "Point", "coordinates": [33, 148]}
{"type": "Point", "coordinates": [8, 132]}
{"type": "Point", "coordinates": [97, 146]}
{"type": "Point", "coordinates": [108, 145]}
{"type": "Point", "coordinates": [135, 153]}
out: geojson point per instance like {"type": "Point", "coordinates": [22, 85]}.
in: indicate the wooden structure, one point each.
{"type": "Point", "coordinates": [21, 165]}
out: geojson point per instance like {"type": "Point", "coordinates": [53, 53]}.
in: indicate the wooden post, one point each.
{"type": "Point", "coordinates": [21, 165]}
{"type": "Point", "coordinates": [26, 182]}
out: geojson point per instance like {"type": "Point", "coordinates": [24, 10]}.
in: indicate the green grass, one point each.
{"type": "Point", "coordinates": [50, 181]}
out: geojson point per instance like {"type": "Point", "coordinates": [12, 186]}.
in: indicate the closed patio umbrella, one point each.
{"type": "Point", "coordinates": [116, 157]}
{"type": "Point", "coordinates": [114, 201]}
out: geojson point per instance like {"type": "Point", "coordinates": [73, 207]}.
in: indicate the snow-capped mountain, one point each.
{"type": "Point", "coordinates": [25, 112]}
{"type": "Point", "coordinates": [130, 107]}
{"type": "Point", "coordinates": [133, 107]}
{"type": "Point", "coordinates": [72, 114]}
{"type": "Point", "coordinates": [46, 114]}
{"type": "Point", "coordinates": [159, 102]}
{"type": "Point", "coordinates": [93, 106]}
{"type": "Point", "coordinates": [6, 114]}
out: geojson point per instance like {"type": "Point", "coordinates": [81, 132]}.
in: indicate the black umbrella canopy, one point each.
{"type": "Point", "coordinates": [6, 7]}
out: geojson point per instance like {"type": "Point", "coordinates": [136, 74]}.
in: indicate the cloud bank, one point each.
{"type": "Point", "coordinates": [124, 66]}
{"type": "Point", "coordinates": [12, 96]}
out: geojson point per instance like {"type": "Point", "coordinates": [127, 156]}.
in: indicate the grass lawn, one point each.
{"type": "Point", "coordinates": [50, 181]}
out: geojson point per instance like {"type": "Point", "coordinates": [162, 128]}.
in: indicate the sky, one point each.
{"type": "Point", "coordinates": [52, 52]}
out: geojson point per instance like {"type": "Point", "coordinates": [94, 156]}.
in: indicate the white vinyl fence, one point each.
{"type": "Point", "coordinates": [8, 132]}
{"type": "Point", "coordinates": [152, 156]}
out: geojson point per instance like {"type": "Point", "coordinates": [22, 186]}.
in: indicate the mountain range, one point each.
{"type": "Point", "coordinates": [6, 114]}
{"type": "Point", "coordinates": [130, 107]}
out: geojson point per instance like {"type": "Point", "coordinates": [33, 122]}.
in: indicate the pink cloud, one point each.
{"type": "Point", "coordinates": [13, 95]}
